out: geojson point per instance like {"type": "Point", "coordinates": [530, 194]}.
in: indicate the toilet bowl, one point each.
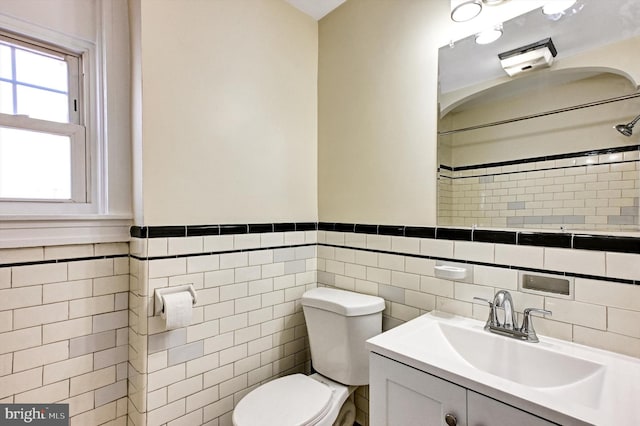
{"type": "Point", "coordinates": [338, 324]}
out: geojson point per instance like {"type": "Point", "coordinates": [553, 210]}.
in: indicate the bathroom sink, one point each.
{"type": "Point", "coordinates": [558, 380]}
{"type": "Point", "coordinates": [524, 363]}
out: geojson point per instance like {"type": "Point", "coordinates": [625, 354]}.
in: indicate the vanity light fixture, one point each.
{"type": "Point", "coordinates": [556, 7]}
{"type": "Point", "coordinates": [490, 35]}
{"type": "Point", "coordinates": [465, 10]}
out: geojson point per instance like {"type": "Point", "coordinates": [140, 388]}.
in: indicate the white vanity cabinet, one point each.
{"type": "Point", "coordinates": [400, 395]}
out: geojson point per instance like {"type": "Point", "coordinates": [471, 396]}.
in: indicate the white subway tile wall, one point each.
{"type": "Point", "coordinates": [64, 329]}
{"type": "Point", "coordinates": [247, 327]}
{"type": "Point", "coordinates": [569, 192]}
{"type": "Point", "coordinates": [601, 313]}
{"type": "Point", "coordinates": [68, 328]}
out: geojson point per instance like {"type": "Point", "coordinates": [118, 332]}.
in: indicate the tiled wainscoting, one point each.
{"type": "Point", "coordinates": [63, 329]}
{"type": "Point", "coordinates": [594, 190]}
{"type": "Point", "coordinates": [604, 310]}
{"type": "Point", "coordinates": [247, 327]}
{"type": "Point", "coordinates": [71, 316]}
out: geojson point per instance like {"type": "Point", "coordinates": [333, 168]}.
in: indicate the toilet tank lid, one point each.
{"type": "Point", "coordinates": [342, 302]}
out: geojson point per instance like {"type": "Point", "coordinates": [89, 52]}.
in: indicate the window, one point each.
{"type": "Point", "coordinates": [65, 152]}
{"type": "Point", "coordinates": [42, 136]}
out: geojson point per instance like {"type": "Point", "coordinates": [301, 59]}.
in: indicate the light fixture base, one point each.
{"type": "Point", "coordinates": [465, 10]}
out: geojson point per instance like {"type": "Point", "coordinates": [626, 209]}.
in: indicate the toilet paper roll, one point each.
{"type": "Point", "coordinates": [177, 309]}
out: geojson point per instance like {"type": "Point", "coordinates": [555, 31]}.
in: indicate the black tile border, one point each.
{"type": "Point", "coordinates": [64, 260]}
{"type": "Point", "coordinates": [611, 150]}
{"type": "Point", "coordinates": [578, 240]}
{"type": "Point", "coordinates": [210, 253]}
{"type": "Point", "coordinates": [571, 240]}
{"type": "Point", "coordinates": [388, 252]}
{"type": "Point", "coordinates": [166, 231]}
{"type": "Point", "coordinates": [326, 226]}
{"type": "Point", "coordinates": [493, 265]}
{"type": "Point", "coordinates": [221, 229]}
{"type": "Point", "coordinates": [367, 229]}
{"type": "Point", "coordinates": [457, 234]}
{"type": "Point", "coordinates": [284, 227]}
{"type": "Point", "coordinates": [396, 231]}
{"type": "Point", "coordinates": [306, 226]}
{"type": "Point", "coordinates": [419, 232]}
{"type": "Point", "coordinates": [344, 227]}
{"type": "Point", "coordinates": [138, 232]}
{"type": "Point", "coordinates": [606, 243]}
{"type": "Point", "coordinates": [199, 230]}
{"type": "Point", "coordinates": [261, 228]}
{"type": "Point", "coordinates": [545, 239]}
{"type": "Point", "coordinates": [499, 237]}
{"type": "Point", "coordinates": [199, 254]}
{"type": "Point", "coordinates": [233, 229]}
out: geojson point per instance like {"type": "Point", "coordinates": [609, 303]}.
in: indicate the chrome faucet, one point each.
{"type": "Point", "coordinates": [503, 300]}
{"type": "Point", "coordinates": [509, 326]}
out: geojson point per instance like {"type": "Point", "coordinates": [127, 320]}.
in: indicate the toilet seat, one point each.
{"type": "Point", "coordinates": [291, 400]}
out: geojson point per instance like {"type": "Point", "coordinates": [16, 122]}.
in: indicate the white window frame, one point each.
{"type": "Point", "coordinates": [85, 132]}
{"type": "Point", "coordinates": [107, 214]}
{"type": "Point", "coordinates": [72, 60]}
{"type": "Point", "coordinates": [76, 134]}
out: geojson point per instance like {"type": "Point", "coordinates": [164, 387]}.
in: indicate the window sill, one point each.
{"type": "Point", "coordinates": [32, 231]}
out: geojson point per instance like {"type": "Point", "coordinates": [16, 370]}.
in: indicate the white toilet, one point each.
{"type": "Point", "coordinates": [338, 322]}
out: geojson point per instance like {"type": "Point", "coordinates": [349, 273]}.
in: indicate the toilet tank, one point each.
{"type": "Point", "coordinates": [338, 323]}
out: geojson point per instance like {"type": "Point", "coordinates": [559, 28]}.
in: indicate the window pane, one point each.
{"type": "Point", "coordinates": [43, 104]}
{"type": "Point", "coordinates": [34, 165]}
{"type": "Point", "coordinates": [40, 70]}
{"type": "Point", "coordinates": [5, 62]}
{"type": "Point", "coordinates": [6, 98]}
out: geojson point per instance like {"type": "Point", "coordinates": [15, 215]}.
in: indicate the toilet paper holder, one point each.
{"type": "Point", "coordinates": [160, 292]}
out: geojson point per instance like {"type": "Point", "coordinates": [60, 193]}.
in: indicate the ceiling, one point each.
{"type": "Point", "coordinates": [316, 8]}
{"type": "Point", "coordinates": [594, 23]}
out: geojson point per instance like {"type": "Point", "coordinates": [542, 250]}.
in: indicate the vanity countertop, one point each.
{"type": "Point", "coordinates": [563, 382]}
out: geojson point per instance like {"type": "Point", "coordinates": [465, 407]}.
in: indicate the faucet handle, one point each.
{"type": "Point", "coordinates": [529, 311]}
{"type": "Point", "coordinates": [527, 323]}
{"type": "Point", "coordinates": [482, 299]}
{"type": "Point", "coordinates": [490, 320]}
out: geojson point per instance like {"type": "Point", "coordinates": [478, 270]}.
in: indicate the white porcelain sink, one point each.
{"type": "Point", "coordinates": [527, 364]}
{"type": "Point", "coordinates": [561, 381]}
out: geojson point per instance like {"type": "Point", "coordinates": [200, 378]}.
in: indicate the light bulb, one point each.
{"type": "Point", "coordinates": [555, 7]}
{"type": "Point", "coordinates": [489, 36]}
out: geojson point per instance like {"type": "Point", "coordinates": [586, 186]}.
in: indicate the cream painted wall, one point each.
{"type": "Point", "coordinates": [229, 102]}
{"type": "Point", "coordinates": [377, 112]}
{"type": "Point", "coordinates": [72, 17]}
{"type": "Point", "coordinates": [377, 85]}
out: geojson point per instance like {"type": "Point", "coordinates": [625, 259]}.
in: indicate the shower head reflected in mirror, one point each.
{"type": "Point", "coordinates": [627, 129]}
